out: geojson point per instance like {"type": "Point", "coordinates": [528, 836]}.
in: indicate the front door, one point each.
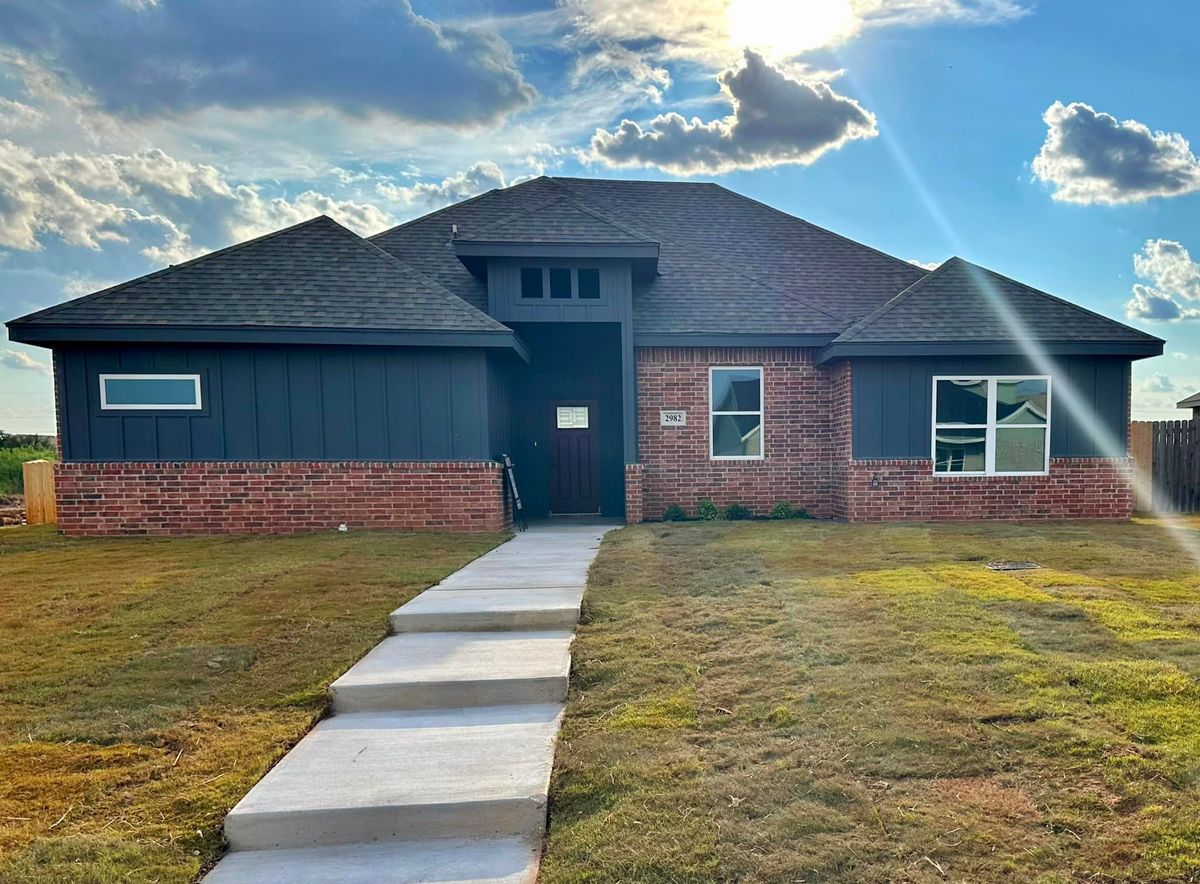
{"type": "Point", "coordinates": [574, 461]}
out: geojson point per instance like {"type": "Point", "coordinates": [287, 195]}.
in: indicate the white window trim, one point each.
{"type": "Point", "coordinates": [762, 412]}
{"type": "Point", "coordinates": [989, 428]}
{"type": "Point", "coordinates": [151, 406]}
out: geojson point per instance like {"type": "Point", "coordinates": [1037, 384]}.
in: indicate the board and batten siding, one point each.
{"type": "Point", "coordinates": [283, 403]}
{"type": "Point", "coordinates": [892, 402]}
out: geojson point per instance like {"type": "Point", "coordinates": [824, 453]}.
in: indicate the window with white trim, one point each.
{"type": "Point", "coordinates": [991, 426]}
{"type": "Point", "coordinates": [150, 392]}
{"type": "Point", "coordinates": [736, 413]}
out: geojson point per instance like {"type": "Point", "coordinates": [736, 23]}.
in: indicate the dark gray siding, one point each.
{"type": "Point", "coordinates": [892, 402]}
{"type": "Point", "coordinates": [285, 403]}
{"type": "Point", "coordinates": [506, 304]}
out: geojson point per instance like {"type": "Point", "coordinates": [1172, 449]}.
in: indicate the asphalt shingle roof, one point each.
{"type": "Point", "coordinates": [317, 274]}
{"type": "Point", "coordinates": [558, 221]}
{"type": "Point", "coordinates": [961, 301]}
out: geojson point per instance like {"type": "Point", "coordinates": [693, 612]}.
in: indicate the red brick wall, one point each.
{"type": "Point", "coordinates": [798, 431]}
{"type": "Point", "coordinates": [1076, 488]}
{"type": "Point", "coordinates": [634, 493]}
{"type": "Point", "coordinates": [278, 497]}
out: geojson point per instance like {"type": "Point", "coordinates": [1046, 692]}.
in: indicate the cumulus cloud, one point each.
{"type": "Point", "coordinates": [1174, 290]}
{"type": "Point", "coordinates": [171, 209]}
{"type": "Point", "coordinates": [775, 120]}
{"type": "Point", "coordinates": [925, 265]}
{"type": "Point", "coordinates": [1092, 157]}
{"type": "Point", "coordinates": [452, 189]}
{"type": "Point", "coordinates": [15, 359]}
{"type": "Point", "coordinates": [1157, 383]}
{"type": "Point", "coordinates": [355, 56]}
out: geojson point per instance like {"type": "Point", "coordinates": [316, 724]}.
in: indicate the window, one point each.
{"type": "Point", "coordinates": [736, 421]}
{"type": "Point", "coordinates": [150, 392]}
{"type": "Point", "coordinates": [997, 426]}
{"type": "Point", "coordinates": [589, 283]}
{"type": "Point", "coordinates": [571, 417]}
{"type": "Point", "coordinates": [560, 282]}
{"type": "Point", "coordinates": [531, 282]}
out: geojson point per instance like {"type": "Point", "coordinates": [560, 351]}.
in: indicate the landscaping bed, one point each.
{"type": "Point", "coordinates": [147, 683]}
{"type": "Point", "coordinates": [808, 701]}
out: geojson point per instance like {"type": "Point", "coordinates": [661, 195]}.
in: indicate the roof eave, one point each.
{"type": "Point", "coordinates": [848, 349]}
{"type": "Point", "coordinates": [48, 335]}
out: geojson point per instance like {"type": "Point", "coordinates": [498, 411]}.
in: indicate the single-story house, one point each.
{"type": "Point", "coordinates": [1192, 402]}
{"type": "Point", "coordinates": [629, 344]}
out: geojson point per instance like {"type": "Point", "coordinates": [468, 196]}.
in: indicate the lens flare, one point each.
{"type": "Point", "coordinates": [784, 29]}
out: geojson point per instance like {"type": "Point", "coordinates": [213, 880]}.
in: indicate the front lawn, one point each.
{"type": "Point", "coordinates": [146, 684]}
{"type": "Point", "coordinates": [804, 701]}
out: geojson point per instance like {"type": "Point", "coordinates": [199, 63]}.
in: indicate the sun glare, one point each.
{"type": "Point", "coordinates": [781, 29]}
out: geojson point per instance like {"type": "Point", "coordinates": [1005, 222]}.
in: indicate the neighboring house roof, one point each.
{"type": "Point", "coordinates": [315, 275]}
{"type": "Point", "coordinates": [961, 302]}
{"type": "Point", "coordinates": [1192, 401]}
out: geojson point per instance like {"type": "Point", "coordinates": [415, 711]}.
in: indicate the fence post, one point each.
{"type": "Point", "coordinates": [39, 492]}
{"type": "Point", "coordinates": [1141, 449]}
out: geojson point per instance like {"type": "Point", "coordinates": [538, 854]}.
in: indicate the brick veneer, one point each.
{"type": "Point", "coordinates": [634, 493]}
{"type": "Point", "coordinates": [278, 497]}
{"type": "Point", "coordinates": [1076, 488]}
{"type": "Point", "coordinates": [798, 431]}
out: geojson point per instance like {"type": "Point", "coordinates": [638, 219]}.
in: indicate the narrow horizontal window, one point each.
{"type": "Point", "coordinates": [150, 392]}
{"type": "Point", "coordinates": [560, 283]}
{"type": "Point", "coordinates": [531, 282]}
{"type": "Point", "coordinates": [589, 284]}
{"type": "Point", "coordinates": [736, 413]}
{"type": "Point", "coordinates": [991, 426]}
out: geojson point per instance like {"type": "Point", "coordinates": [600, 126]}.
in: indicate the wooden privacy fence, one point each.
{"type": "Point", "coordinates": [39, 492]}
{"type": "Point", "coordinates": [1166, 457]}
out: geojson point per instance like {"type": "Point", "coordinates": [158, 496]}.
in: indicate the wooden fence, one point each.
{"type": "Point", "coordinates": [1166, 458]}
{"type": "Point", "coordinates": [39, 492]}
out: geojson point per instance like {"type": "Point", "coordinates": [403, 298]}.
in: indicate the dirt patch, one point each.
{"type": "Point", "coordinates": [12, 510]}
{"type": "Point", "coordinates": [987, 795]}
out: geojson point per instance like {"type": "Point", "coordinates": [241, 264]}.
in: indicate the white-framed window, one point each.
{"type": "Point", "coordinates": [150, 392]}
{"type": "Point", "coordinates": [735, 398]}
{"type": "Point", "coordinates": [991, 426]}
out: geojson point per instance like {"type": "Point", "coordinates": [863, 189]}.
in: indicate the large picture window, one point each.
{"type": "Point", "coordinates": [991, 426]}
{"type": "Point", "coordinates": [150, 392]}
{"type": "Point", "coordinates": [736, 419]}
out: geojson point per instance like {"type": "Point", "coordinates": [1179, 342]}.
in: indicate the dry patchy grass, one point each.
{"type": "Point", "coordinates": [867, 703]}
{"type": "Point", "coordinates": [146, 684]}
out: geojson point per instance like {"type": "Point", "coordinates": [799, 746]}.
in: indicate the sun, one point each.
{"type": "Point", "coordinates": [784, 28]}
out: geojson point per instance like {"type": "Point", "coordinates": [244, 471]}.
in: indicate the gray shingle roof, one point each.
{"type": "Point", "coordinates": [1192, 401]}
{"type": "Point", "coordinates": [316, 274]}
{"type": "Point", "coordinates": [560, 220]}
{"type": "Point", "coordinates": [960, 301]}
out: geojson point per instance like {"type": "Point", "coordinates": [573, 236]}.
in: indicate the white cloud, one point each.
{"type": "Point", "coordinates": [925, 265]}
{"type": "Point", "coordinates": [775, 120]}
{"type": "Point", "coordinates": [452, 189]}
{"type": "Point", "coordinates": [1157, 383]}
{"type": "Point", "coordinates": [1174, 283]}
{"type": "Point", "coordinates": [15, 359]}
{"type": "Point", "coordinates": [18, 115]}
{"type": "Point", "coordinates": [1092, 157]}
{"type": "Point", "coordinates": [622, 64]}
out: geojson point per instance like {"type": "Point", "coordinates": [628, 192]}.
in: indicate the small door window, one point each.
{"type": "Point", "coordinates": [572, 417]}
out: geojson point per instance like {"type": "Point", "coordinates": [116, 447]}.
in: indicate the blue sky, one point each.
{"type": "Point", "coordinates": [1046, 140]}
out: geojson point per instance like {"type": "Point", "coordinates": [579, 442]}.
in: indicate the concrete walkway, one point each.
{"type": "Point", "coordinates": [435, 765]}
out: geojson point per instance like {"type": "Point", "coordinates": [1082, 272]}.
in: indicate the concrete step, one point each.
{"type": "Point", "coordinates": [440, 670]}
{"type": "Point", "coordinates": [444, 860]}
{"type": "Point", "coordinates": [475, 609]}
{"type": "Point", "coordinates": [392, 776]}
{"type": "Point", "coordinates": [515, 573]}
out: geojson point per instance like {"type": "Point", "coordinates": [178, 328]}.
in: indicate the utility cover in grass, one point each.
{"type": "Point", "coordinates": [1012, 566]}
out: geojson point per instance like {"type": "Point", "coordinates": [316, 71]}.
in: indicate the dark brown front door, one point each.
{"type": "Point", "coordinates": [574, 462]}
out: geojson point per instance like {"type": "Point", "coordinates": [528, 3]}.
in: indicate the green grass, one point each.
{"type": "Point", "coordinates": [12, 480]}
{"type": "Point", "coordinates": [805, 701]}
{"type": "Point", "coordinates": [146, 684]}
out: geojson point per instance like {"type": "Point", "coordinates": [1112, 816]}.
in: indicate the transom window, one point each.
{"type": "Point", "coordinates": [561, 283]}
{"type": "Point", "coordinates": [991, 426]}
{"type": "Point", "coordinates": [150, 392]}
{"type": "Point", "coordinates": [736, 413]}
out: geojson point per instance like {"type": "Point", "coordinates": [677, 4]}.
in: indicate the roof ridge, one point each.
{"type": "Point", "coordinates": [170, 268]}
{"type": "Point", "coordinates": [890, 304]}
{"type": "Point", "coordinates": [432, 285]}
{"type": "Point", "coordinates": [470, 199]}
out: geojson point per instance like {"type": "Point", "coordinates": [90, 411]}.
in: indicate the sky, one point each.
{"type": "Point", "coordinates": [1045, 139]}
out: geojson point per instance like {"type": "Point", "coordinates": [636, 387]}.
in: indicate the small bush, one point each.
{"type": "Point", "coordinates": [12, 480]}
{"type": "Point", "coordinates": [674, 513]}
{"type": "Point", "coordinates": [782, 510]}
{"type": "Point", "coordinates": [707, 511]}
{"type": "Point", "coordinates": [800, 513]}
{"type": "Point", "coordinates": [737, 512]}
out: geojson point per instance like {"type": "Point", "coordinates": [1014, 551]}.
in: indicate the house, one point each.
{"type": "Point", "coordinates": [1192, 402]}
{"type": "Point", "coordinates": [630, 344]}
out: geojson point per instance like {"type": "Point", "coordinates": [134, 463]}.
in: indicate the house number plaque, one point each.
{"type": "Point", "coordinates": [672, 418]}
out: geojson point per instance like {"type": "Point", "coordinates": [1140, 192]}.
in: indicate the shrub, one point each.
{"type": "Point", "coordinates": [707, 510]}
{"type": "Point", "coordinates": [800, 513]}
{"type": "Point", "coordinates": [674, 513]}
{"type": "Point", "coordinates": [737, 512]}
{"type": "Point", "coordinates": [782, 510]}
{"type": "Point", "coordinates": [12, 481]}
